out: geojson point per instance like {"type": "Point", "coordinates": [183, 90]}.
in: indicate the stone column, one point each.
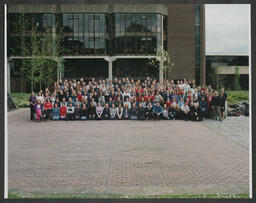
{"type": "Point", "coordinates": [110, 66]}
{"type": "Point", "coordinates": [110, 70]}
{"type": "Point", "coordinates": [161, 75]}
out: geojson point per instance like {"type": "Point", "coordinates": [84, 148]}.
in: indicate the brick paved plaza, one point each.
{"type": "Point", "coordinates": [122, 157]}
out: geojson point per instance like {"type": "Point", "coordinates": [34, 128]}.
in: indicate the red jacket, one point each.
{"type": "Point", "coordinates": [79, 96]}
{"type": "Point", "coordinates": [63, 111]}
{"type": "Point", "coordinates": [168, 103]}
{"type": "Point", "coordinates": [48, 105]}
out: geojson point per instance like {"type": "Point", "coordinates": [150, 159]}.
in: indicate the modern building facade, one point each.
{"type": "Point", "coordinates": [117, 40]}
{"type": "Point", "coordinates": [226, 67]}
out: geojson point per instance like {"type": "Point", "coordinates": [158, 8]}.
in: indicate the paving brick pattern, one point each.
{"type": "Point", "coordinates": [122, 157]}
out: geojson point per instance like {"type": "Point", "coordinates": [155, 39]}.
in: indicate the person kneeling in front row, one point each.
{"type": "Point", "coordinates": [56, 112]}
{"type": "Point", "coordinates": [83, 112]}
{"type": "Point", "coordinates": [112, 112]}
{"type": "Point", "coordinates": [106, 113]}
{"type": "Point", "coordinates": [158, 111]}
{"type": "Point", "coordinates": [70, 112]}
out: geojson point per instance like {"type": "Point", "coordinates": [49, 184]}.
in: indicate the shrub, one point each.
{"type": "Point", "coordinates": [21, 99]}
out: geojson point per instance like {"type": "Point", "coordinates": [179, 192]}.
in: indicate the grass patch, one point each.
{"type": "Point", "coordinates": [21, 99]}
{"type": "Point", "coordinates": [13, 195]}
{"type": "Point", "coordinates": [237, 97]}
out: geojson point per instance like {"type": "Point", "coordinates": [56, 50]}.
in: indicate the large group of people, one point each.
{"type": "Point", "coordinates": [127, 99]}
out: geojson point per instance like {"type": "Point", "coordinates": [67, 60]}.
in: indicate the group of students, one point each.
{"type": "Point", "coordinates": [126, 98]}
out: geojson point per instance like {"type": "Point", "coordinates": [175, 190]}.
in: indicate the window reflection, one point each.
{"type": "Point", "coordinates": [138, 34]}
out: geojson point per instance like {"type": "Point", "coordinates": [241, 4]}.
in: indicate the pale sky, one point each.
{"type": "Point", "coordinates": [227, 28]}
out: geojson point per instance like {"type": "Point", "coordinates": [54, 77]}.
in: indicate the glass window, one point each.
{"type": "Point", "coordinates": [127, 22]}
{"type": "Point", "coordinates": [91, 23]}
{"type": "Point", "coordinates": [86, 23]}
{"type": "Point", "coordinates": [67, 21]}
{"type": "Point", "coordinates": [102, 22]}
{"type": "Point", "coordinates": [117, 22]}
{"type": "Point", "coordinates": [97, 23]}
{"type": "Point", "coordinates": [159, 23]}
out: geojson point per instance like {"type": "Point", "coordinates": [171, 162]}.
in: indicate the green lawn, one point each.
{"type": "Point", "coordinates": [13, 195]}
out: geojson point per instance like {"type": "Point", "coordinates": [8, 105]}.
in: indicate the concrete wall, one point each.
{"type": "Point", "coordinates": [224, 70]}
{"type": "Point", "coordinates": [78, 8]}
{"type": "Point", "coordinates": [181, 40]}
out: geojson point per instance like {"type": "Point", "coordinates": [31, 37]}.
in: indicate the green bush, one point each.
{"type": "Point", "coordinates": [236, 97]}
{"type": "Point", "coordinates": [21, 99]}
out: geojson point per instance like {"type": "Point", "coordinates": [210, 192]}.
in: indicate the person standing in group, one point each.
{"type": "Point", "coordinates": [32, 102]}
{"type": "Point", "coordinates": [226, 102]}
{"type": "Point", "coordinates": [222, 103]}
{"type": "Point", "coordinates": [216, 106]}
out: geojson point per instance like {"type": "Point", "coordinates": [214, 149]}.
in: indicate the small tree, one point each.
{"type": "Point", "coordinates": [236, 79]}
{"type": "Point", "coordinates": [162, 58]}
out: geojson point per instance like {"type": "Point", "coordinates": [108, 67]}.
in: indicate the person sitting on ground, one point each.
{"type": "Point", "coordinates": [186, 111]}
{"type": "Point", "coordinates": [173, 111]}
{"type": "Point", "coordinates": [70, 112]}
{"type": "Point", "coordinates": [194, 116]}
{"type": "Point", "coordinates": [77, 111]}
{"type": "Point", "coordinates": [47, 112]}
{"type": "Point", "coordinates": [91, 111]}
{"type": "Point", "coordinates": [83, 112]}
{"type": "Point", "coordinates": [165, 112]}
{"type": "Point", "coordinates": [106, 112]}
{"type": "Point", "coordinates": [133, 112]}
{"type": "Point", "coordinates": [141, 111]}
{"type": "Point", "coordinates": [126, 112]}
{"type": "Point", "coordinates": [56, 112]}
{"type": "Point", "coordinates": [63, 112]}
{"type": "Point", "coordinates": [112, 112]}
{"type": "Point", "coordinates": [99, 111]}
{"type": "Point", "coordinates": [119, 111]}
{"type": "Point", "coordinates": [149, 112]}
{"type": "Point", "coordinates": [158, 111]}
